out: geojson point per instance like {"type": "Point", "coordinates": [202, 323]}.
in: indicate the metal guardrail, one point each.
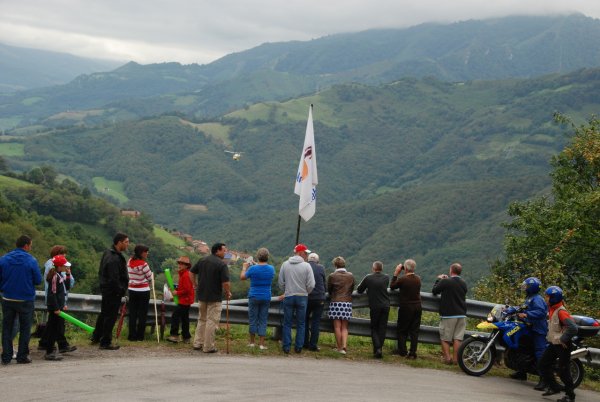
{"type": "Point", "coordinates": [238, 314]}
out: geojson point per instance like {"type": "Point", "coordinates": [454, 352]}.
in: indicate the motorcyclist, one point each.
{"type": "Point", "coordinates": [561, 329]}
{"type": "Point", "coordinates": [535, 313]}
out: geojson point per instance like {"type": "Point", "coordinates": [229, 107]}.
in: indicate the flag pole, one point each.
{"type": "Point", "coordinates": [298, 231]}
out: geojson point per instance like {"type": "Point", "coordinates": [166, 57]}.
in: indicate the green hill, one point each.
{"type": "Point", "coordinates": [471, 50]}
{"type": "Point", "coordinates": [64, 213]}
{"type": "Point", "coordinates": [414, 168]}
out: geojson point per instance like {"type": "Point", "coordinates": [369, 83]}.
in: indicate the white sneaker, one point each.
{"type": "Point", "coordinates": [261, 347]}
{"type": "Point", "coordinates": [251, 345]}
{"type": "Point", "coordinates": [342, 351]}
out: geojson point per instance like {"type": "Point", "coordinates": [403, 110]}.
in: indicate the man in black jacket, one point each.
{"type": "Point", "coordinates": [453, 310]}
{"type": "Point", "coordinates": [316, 304]}
{"type": "Point", "coordinates": [376, 285]}
{"type": "Point", "coordinates": [113, 285]}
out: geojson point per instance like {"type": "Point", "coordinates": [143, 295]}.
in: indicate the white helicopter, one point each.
{"type": "Point", "coordinates": [236, 155]}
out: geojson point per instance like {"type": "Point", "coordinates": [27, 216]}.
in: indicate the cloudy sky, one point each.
{"type": "Point", "coordinates": [200, 31]}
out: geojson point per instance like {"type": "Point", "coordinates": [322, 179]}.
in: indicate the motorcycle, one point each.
{"type": "Point", "coordinates": [478, 353]}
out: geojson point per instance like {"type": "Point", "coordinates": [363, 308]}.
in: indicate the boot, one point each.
{"type": "Point", "coordinates": [567, 398]}
{"type": "Point", "coordinates": [541, 385]}
{"type": "Point", "coordinates": [519, 375]}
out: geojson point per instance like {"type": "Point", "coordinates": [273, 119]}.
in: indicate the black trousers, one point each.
{"type": "Point", "coordinates": [55, 331]}
{"type": "Point", "coordinates": [409, 321]}
{"type": "Point", "coordinates": [181, 314]}
{"type": "Point", "coordinates": [546, 367]}
{"type": "Point", "coordinates": [379, 318]}
{"type": "Point", "coordinates": [109, 310]}
{"type": "Point", "coordinates": [61, 340]}
{"type": "Point", "coordinates": [138, 313]}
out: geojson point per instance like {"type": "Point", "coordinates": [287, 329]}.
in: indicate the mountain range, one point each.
{"type": "Point", "coordinates": [23, 68]}
{"type": "Point", "coordinates": [414, 161]}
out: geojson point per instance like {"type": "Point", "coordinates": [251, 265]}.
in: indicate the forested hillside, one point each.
{"type": "Point", "coordinates": [415, 168]}
{"type": "Point", "coordinates": [60, 212]}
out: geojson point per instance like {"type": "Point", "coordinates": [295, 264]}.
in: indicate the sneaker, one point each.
{"type": "Point", "coordinates": [566, 398]}
{"type": "Point", "coordinates": [342, 351]}
{"type": "Point", "coordinates": [314, 348]}
{"type": "Point", "coordinates": [298, 350]}
{"type": "Point", "coordinates": [67, 349]}
{"type": "Point", "coordinates": [551, 391]}
{"type": "Point", "coordinates": [26, 360]}
{"type": "Point", "coordinates": [215, 350]}
{"type": "Point", "coordinates": [251, 345]}
{"type": "Point", "coordinates": [262, 347]}
{"type": "Point", "coordinates": [186, 340]}
{"type": "Point", "coordinates": [173, 339]}
{"type": "Point", "coordinates": [53, 357]}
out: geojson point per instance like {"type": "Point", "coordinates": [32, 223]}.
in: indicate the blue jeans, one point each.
{"type": "Point", "coordinates": [294, 306]}
{"type": "Point", "coordinates": [314, 310]}
{"type": "Point", "coordinates": [10, 310]}
{"type": "Point", "coordinates": [258, 312]}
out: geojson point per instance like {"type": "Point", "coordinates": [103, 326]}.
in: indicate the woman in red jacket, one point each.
{"type": "Point", "coordinates": [185, 292]}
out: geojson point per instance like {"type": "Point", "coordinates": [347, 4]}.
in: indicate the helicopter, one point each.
{"type": "Point", "coordinates": [236, 155]}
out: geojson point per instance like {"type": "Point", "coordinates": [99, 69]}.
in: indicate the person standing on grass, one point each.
{"type": "Point", "coordinates": [140, 279]}
{"type": "Point", "coordinates": [114, 281]}
{"type": "Point", "coordinates": [259, 296]}
{"type": "Point", "coordinates": [316, 304]}
{"type": "Point", "coordinates": [296, 281]}
{"type": "Point", "coordinates": [56, 296]}
{"type": "Point", "coordinates": [409, 307]}
{"type": "Point", "coordinates": [19, 274]}
{"type": "Point", "coordinates": [68, 283]}
{"type": "Point", "coordinates": [453, 311]}
{"type": "Point", "coordinates": [376, 285]}
{"type": "Point", "coordinates": [211, 277]}
{"type": "Point", "coordinates": [185, 292]}
{"type": "Point", "coordinates": [340, 286]}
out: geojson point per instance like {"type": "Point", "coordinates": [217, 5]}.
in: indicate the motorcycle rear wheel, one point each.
{"type": "Point", "coordinates": [577, 372]}
{"type": "Point", "coordinates": [469, 352]}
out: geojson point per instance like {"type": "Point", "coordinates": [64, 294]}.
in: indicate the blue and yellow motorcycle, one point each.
{"type": "Point", "coordinates": [478, 353]}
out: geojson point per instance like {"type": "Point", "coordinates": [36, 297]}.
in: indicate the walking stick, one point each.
{"type": "Point", "coordinates": [155, 310]}
{"type": "Point", "coordinates": [227, 320]}
{"type": "Point", "coordinates": [121, 319]}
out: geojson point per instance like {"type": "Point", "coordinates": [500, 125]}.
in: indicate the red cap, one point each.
{"type": "Point", "coordinates": [60, 260]}
{"type": "Point", "coordinates": [301, 247]}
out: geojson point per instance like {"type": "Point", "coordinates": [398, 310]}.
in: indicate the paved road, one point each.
{"type": "Point", "coordinates": [246, 378]}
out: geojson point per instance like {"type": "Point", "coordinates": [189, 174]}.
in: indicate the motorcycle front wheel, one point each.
{"type": "Point", "coordinates": [470, 357]}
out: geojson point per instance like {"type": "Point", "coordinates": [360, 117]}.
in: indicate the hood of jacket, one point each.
{"type": "Point", "coordinates": [295, 259]}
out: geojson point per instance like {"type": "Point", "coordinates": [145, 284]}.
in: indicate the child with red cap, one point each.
{"type": "Point", "coordinates": [55, 303]}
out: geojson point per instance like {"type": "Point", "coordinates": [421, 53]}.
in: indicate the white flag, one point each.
{"type": "Point", "coordinates": [306, 179]}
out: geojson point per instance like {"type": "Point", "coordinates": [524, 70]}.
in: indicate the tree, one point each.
{"type": "Point", "coordinates": [557, 237]}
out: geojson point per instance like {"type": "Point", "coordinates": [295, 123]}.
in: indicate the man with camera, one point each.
{"type": "Point", "coordinates": [453, 310]}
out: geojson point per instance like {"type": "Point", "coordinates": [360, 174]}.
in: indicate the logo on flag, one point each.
{"type": "Point", "coordinates": [306, 178]}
